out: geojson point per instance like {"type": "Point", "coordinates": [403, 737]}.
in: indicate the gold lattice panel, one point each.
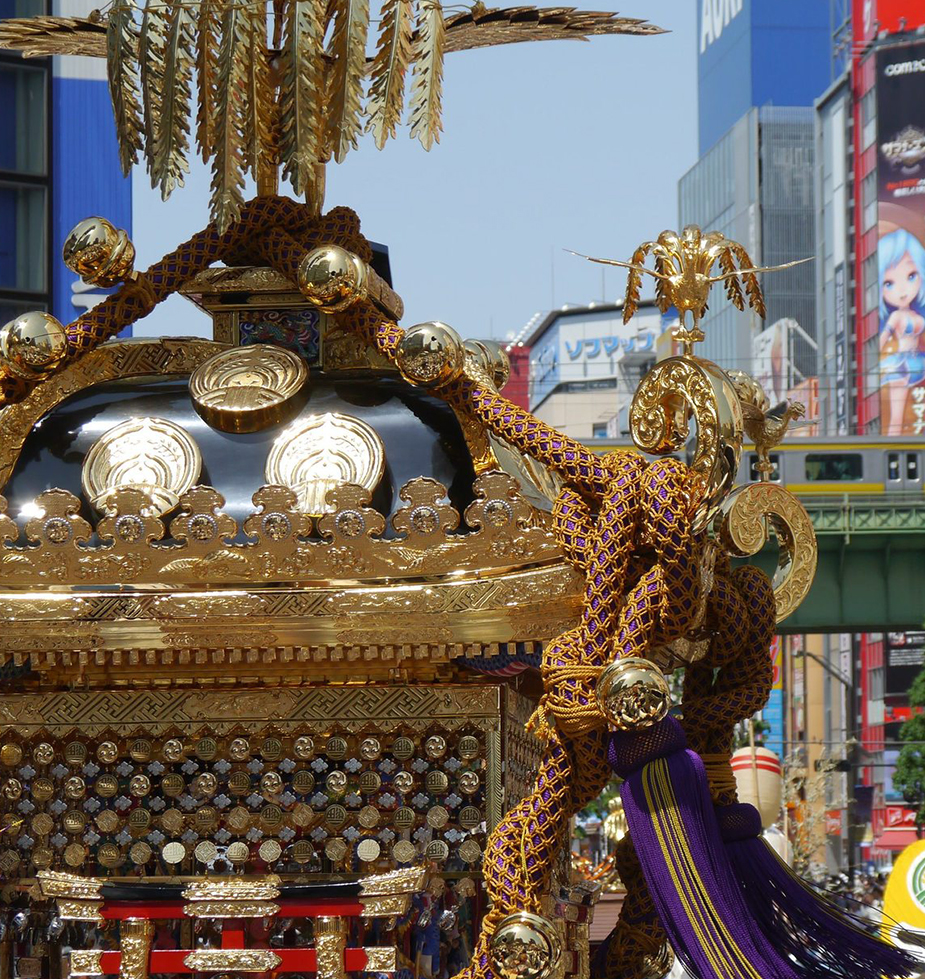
{"type": "Point", "coordinates": [306, 780]}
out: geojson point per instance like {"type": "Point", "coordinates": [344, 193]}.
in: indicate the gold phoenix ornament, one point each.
{"type": "Point", "coordinates": [292, 89]}
{"type": "Point", "coordinates": [683, 263]}
{"type": "Point", "coordinates": [765, 426]}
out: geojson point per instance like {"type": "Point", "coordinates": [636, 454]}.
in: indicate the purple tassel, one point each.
{"type": "Point", "coordinates": [820, 938]}
{"type": "Point", "coordinates": [673, 826]}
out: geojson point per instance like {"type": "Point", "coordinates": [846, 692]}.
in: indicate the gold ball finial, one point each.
{"type": "Point", "coordinates": [33, 344]}
{"type": "Point", "coordinates": [492, 358]}
{"type": "Point", "coordinates": [633, 693]}
{"type": "Point", "coordinates": [431, 354]}
{"type": "Point", "coordinates": [332, 278]}
{"type": "Point", "coordinates": [525, 946]}
{"type": "Point", "coordinates": [99, 253]}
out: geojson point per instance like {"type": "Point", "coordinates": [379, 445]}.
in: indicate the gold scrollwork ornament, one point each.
{"type": "Point", "coordinates": [672, 393]}
{"type": "Point", "coordinates": [743, 526]}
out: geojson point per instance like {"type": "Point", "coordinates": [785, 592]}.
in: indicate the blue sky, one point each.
{"type": "Point", "coordinates": [546, 147]}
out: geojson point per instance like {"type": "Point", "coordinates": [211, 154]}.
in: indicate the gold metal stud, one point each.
{"type": "Point", "coordinates": [332, 278]}
{"type": "Point", "coordinates": [33, 344]}
{"type": "Point", "coordinates": [525, 946]}
{"type": "Point", "coordinates": [633, 693]}
{"type": "Point", "coordinates": [100, 253]}
{"type": "Point", "coordinates": [491, 358]}
{"type": "Point", "coordinates": [430, 354]}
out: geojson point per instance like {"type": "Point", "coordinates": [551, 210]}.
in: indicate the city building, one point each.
{"type": "Point", "coordinates": [755, 185]}
{"type": "Point", "coordinates": [870, 235]}
{"type": "Point", "coordinates": [58, 164]}
{"type": "Point", "coordinates": [585, 363]}
{"type": "Point", "coordinates": [758, 53]}
{"type": "Point", "coordinates": [25, 176]}
{"type": "Point", "coordinates": [754, 180]}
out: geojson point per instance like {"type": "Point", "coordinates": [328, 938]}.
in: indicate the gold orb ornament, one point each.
{"type": "Point", "coordinates": [490, 357]}
{"type": "Point", "coordinates": [99, 253]}
{"type": "Point", "coordinates": [431, 354]}
{"type": "Point", "coordinates": [525, 946]}
{"type": "Point", "coordinates": [633, 693]}
{"type": "Point", "coordinates": [33, 344]}
{"type": "Point", "coordinates": [333, 279]}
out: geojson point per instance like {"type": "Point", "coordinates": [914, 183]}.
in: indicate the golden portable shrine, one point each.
{"type": "Point", "coordinates": [313, 643]}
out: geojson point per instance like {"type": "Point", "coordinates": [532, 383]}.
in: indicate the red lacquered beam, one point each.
{"type": "Point", "coordinates": [289, 908]}
{"type": "Point", "coordinates": [293, 960]}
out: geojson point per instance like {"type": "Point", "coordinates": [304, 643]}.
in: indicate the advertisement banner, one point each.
{"type": "Point", "coordinates": [771, 360]}
{"type": "Point", "coordinates": [901, 228]}
{"type": "Point", "coordinates": [905, 657]}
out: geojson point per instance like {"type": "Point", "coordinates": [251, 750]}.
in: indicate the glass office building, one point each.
{"type": "Point", "coordinates": [25, 185]}
{"type": "Point", "coordinates": [755, 185]}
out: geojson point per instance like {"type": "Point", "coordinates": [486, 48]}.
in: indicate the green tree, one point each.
{"type": "Point", "coordinates": [909, 777]}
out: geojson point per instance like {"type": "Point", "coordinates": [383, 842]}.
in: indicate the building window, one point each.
{"type": "Point", "coordinates": [835, 467]}
{"type": "Point", "coordinates": [22, 246]}
{"type": "Point", "coordinates": [892, 466]}
{"type": "Point", "coordinates": [869, 200]}
{"type": "Point", "coordinates": [599, 430]}
{"type": "Point", "coordinates": [24, 184]}
{"type": "Point", "coordinates": [22, 103]}
{"type": "Point", "coordinates": [871, 275]}
{"type": "Point", "coordinates": [868, 118]}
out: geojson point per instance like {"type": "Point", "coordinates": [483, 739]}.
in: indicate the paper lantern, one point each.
{"type": "Point", "coordinates": [758, 781]}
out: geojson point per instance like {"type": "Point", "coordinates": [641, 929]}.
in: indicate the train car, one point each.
{"type": "Point", "coordinates": [832, 465]}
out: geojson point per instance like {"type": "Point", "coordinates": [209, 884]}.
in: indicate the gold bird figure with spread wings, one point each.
{"type": "Point", "coordinates": [683, 263]}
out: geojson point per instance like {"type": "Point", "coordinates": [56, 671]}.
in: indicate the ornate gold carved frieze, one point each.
{"type": "Point", "coordinates": [159, 711]}
{"type": "Point", "coordinates": [86, 962]}
{"type": "Point", "coordinates": [503, 536]}
{"type": "Point", "coordinates": [241, 959]}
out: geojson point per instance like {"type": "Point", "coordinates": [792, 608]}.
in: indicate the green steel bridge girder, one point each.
{"type": "Point", "coordinates": [871, 570]}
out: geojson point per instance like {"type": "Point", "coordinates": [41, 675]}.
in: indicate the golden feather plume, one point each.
{"type": "Point", "coordinates": [387, 88]}
{"type": "Point", "coordinates": [259, 143]}
{"type": "Point", "coordinates": [301, 93]}
{"type": "Point", "coordinates": [151, 51]}
{"type": "Point", "coordinates": [348, 48]}
{"type": "Point", "coordinates": [207, 35]}
{"type": "Point", "coordinates": [38, 37]}
{"type": "Point", "coordinates": [171, 135]}
{"type": "Point", "coordinates": [230, 118]}
{"type": "Point", "coordinates": [752, 286]}
{"type": "Point", "coordinates": [634, 282]}
{"type": "Point", "coordinates": [733, 287]}
{"type": "Point", "coordinates": [664, 266]}
{"type": "Point", "coordinates": [482, 26]}
{"type": "Point", "coordinates": [427, 86]}
{"type": "Point", "coordinates": [121, 45]}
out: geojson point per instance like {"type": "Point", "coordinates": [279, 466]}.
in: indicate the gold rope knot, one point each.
{"type": "Point", "coordinates": [538, 722]}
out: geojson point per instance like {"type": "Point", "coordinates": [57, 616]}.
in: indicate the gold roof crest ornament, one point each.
{"type": "Point", "coordinates": [683, 266]}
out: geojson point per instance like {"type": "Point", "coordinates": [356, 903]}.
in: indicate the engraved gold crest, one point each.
{"type": "Point", "coordinates": [249, 388]}
{"type": "Point", "coordinates": [149, 454]}
{"type": "Point", "coordinates": [320, 452]}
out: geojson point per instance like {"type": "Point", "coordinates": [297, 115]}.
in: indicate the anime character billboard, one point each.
{"type": "Point", "coordinates": [901, 248]}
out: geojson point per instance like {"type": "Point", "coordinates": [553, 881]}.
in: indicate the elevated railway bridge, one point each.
{"type": "Point", "coordinates": [866, 499]}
